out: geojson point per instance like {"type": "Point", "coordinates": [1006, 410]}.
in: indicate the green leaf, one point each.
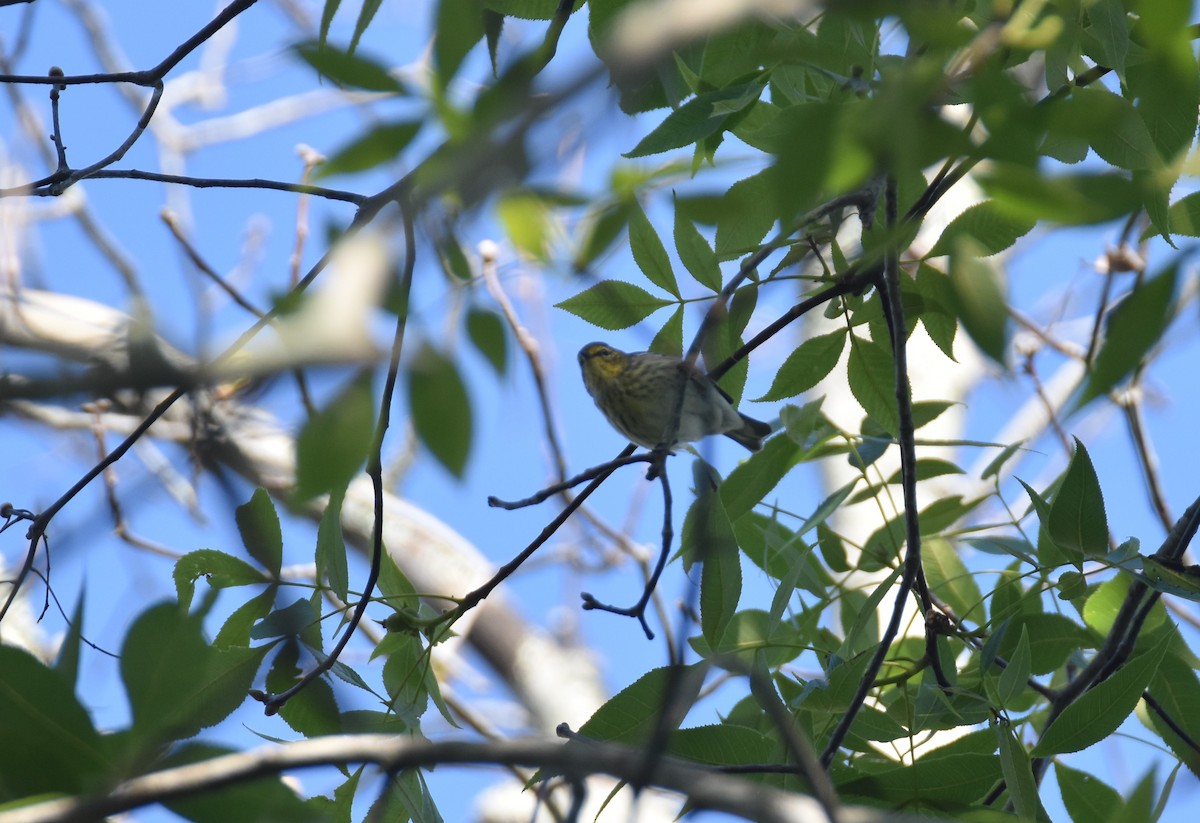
{"type": "Point", "coordinates": [863, 632]}
{"type": "Point", "coordinates": [631, 715]}
{"type": "Point", "coordinates": [1098, 712]}
{"type": "Point", "coordinates": [809, 141]}
{"type": "Point", "coordinates": [993, 467]}
{"type": "Point", "coordinates": [708, 538]}
{"type": "Point", "coordinates": [1132, 328]}
{"type": "Point", "coordinates": [1016, 674]}
{"type": "Point", "coordinates": [178, 684]}
{"type": "Point", "coordinates": [827, 507]}
{"type": "Point", "coordinates": [327, 12]}
{"type": "Point", "coordinates": [219, 569]}
{"type": "Point", "coordinates": [1077, 519]}
{"type": "Point", "coordinates": [1107, 24]}
{"type": "Point", "coordinates": [528, 9]}
{"type": "Point", "coordinates": [526, 218]}
{"type": "Point", "coordinates": [1049, 554]}
{"type": "Point", "coordinates": [289, 621]}
{"type": "Point", "coordinates": [960, 779]}
{"type": "Point", "coordinates": [66, 663]}
{"type": "Point", "coordinates": [747, 214]}
{"type": "Point", "coordinates": [725, 337]}
{"type": "Point", "coordinates": [597, 232]}
{"type": "Point", "coordinates": [1184, 215]}
{"type": "Point", "coordinates": [613, 304]}
{"type": "Point", "coordinates": [979, 299]}
{"type": "Point", "coordinates": [749, 483]}
{"type": "Point", "coordinates": [1087, 798]}
{"type": "Point", "coordinates": [1172, 577]}
{"type": "Point", "coordinates": [334, 443]}
{"type": "Point", "coordinates": [927, 468]}
{"type": "Point", "coordinates": [493, 27]}
{"type": "Point", "coordinates": [50, 745]}
{"type": "Point", "coordinates": [871, 374]}
{"type": "Point", "coordinates": [991, 228]}
{"type": "Point", "coordinates": [441, 408]}
{"type": "Point", "coordinates": [1018, 776]}
{"type": "Point", "coordinates": [1105, 602]}
{"type": "Point", "coordinates": [1177, 690]}
{"type": "Point", "coordinates": [487, 333]}
{"type": "Point", "coordinates": [949, 578]}
{"type": "Point", "coordinates": [1053, 638]}
{"type": "Point", "coordinates": [348, 69]}
{"type": "Point", "coordinates": [669, 339]}
{"type": "Point", "coordinates": [459, 28]}
{"type": "Point", "coordinates": [1113, 127]}
{"type": "Point", "coordinates": [722, 745]}
{"type": "Point", "coordinates": [649, 252]}
{"type": "Point", "coordinates": [696, 119]}
{"type": "Point", "coordinates": [258, 525]}
{"type": "Point", "coordinates": [1167, 87]}
{"type": "Point", "coordinates": [810, 363]}
{"type": "Point", "coordinates": [381, 144]}
{"type": "Point", "coordinates": [237, 627]}
{"type": "Point", "coordinates": [781, 553]}
{"type": "Point", "coordinates": [366, 14]}
{"type": "Point", "coordinates": [695, 253]}
{"type": "Point", "coordinates": [331, 549]}
{"type": "Point", "coordinates": [313, 710]}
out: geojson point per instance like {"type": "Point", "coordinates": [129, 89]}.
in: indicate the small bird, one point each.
{"type": "Point", "coordinates": [638, 394]}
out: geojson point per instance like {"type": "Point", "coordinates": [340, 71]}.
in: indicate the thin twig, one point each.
{"type": "Point", "coordinates": [374, 471]}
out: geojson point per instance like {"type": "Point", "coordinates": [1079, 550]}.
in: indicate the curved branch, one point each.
{"type": "Point", "coordinates": [701, 786]}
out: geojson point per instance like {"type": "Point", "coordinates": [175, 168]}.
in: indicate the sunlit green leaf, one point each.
{"type": "Point", "coordinates": [613, 304]}
{"type": "Point", "coordinates": [1077, 520]}
{"type": "Point", "coordinates": [806, 366]}
{"type": "Point", "coordinates": [949, 578]}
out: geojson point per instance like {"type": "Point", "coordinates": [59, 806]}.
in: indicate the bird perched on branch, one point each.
{"type": "Point", "coordinates": [639, 394]}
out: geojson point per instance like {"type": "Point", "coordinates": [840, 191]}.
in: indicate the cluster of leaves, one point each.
{"type": "Point", "coordinates": [180, 683]}
{"type": "Point", "coordinates": [827, 112]}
